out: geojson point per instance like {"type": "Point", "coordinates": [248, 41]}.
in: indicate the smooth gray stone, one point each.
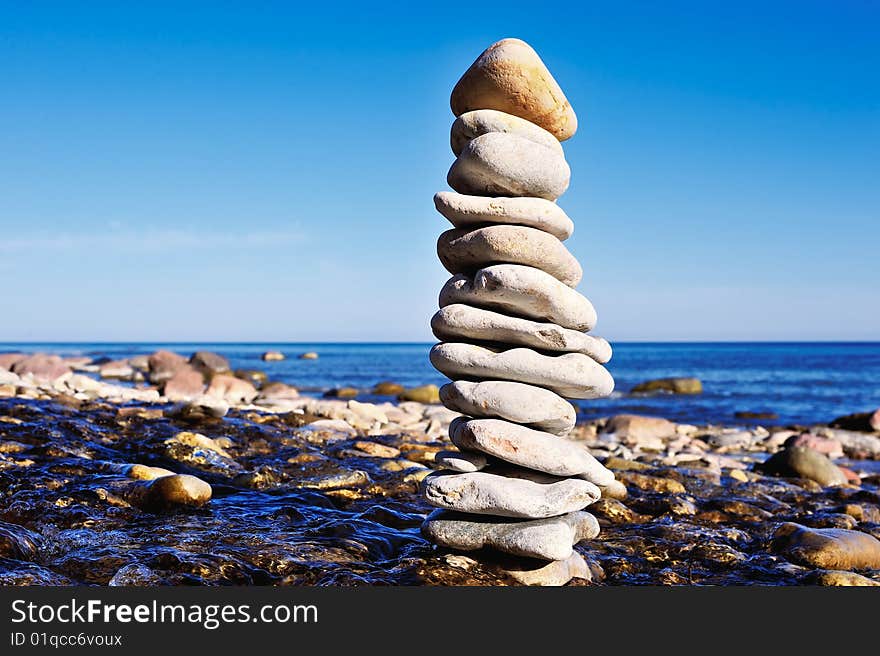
{"type": "Point", "coordinates": [478, 122]}
{"type": "Point", "coordinates": [460, 322]}
{"type": "Point", "coordinates": [499, 164]}
{"type": "Point", "coordinates": [524, 291]}
{"type": "Point", "coordinates": [463, 251]}
{"type": "Point", "coordinates": [528, 448]}
{"type": "Point", "coordinates": [517, 402]}
{"type": "Point", "coordinates": [465, 211]}
{"type": "Point", "coordinates": [547, 539]}
{"type": "Point", "coordinates": [555, 573]}
{"type": "Point", "coordinates": [460, 461]}
{"type": "Point", "coordinates": [571, 375]}
{"type": "Point", "coordinates": [527, 496]}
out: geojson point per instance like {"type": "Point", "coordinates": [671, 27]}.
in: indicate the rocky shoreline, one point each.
{"type": "Point", "coordinates": [202, 475]}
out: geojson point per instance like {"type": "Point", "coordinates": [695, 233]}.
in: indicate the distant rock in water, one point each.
{"type": "Point", "coordinates": [674, 385]}
{"type": "Point", "coordinates": [273, 356]}
{"type": "Point", "coordinates": [342, 393]}
{"type": "Point", "coordinates": [209, 363]}
{"type": "Point", "coordinates": [423, 394]}
{"type": "Point", "coordinates": [867, 422]}
{"type": "Point", "coordinates": [747, 414]}
{"type": "Point", "coordinates": [311, 355]}
{"type": "Point", "coordinates": [388, 388]}
{"type": "Point", "coordinates": [804, 462]}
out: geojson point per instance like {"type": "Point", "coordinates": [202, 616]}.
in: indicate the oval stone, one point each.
{"type": "Point", "coordinates": [509, 76]}
{"type": "Point", "coordinates": [465, 211]}
{"type": "Point", "coordinates": [524, 291]}
{"type": "Point", "coordinates": [498, 164]}
{"type": "Point", "coordinates": [459, 322]}
{"type": "Point", "coordinates": [517, 402]}
{"type": "Point", "coordinates": [464, 251]}
{"type": "Point", "coordinates": [471, 125]}
{"type": "Point", "coordinates": [571, 375]}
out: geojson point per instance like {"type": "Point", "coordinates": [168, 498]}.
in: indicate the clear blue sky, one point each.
{"type": "Point", "coordinates": [264, 171]}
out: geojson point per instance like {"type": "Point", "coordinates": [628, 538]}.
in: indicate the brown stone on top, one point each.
{"type": "Point", "coordinates": [164, 364]}
{"type": "Point", "coordinates": [8, 360]}
{"type": "Point", "coordinates": [184, 384]}
{"type": "Point", "coordinates": [209, 363]}
{"type": "Point", "coordinates": [43, 368]}
{"type": "Point", "coordinates": [510, 77]}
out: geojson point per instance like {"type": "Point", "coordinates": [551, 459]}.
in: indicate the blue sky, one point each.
{"type": "Point", "coordinates": [264, 171]}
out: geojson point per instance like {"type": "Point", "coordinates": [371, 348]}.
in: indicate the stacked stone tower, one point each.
{"type": "Point", "coordinates": [513, 329]}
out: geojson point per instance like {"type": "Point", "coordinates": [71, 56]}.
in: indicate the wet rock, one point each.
{"type": "Point", "coordinates": [134, 574]}
{"type": "Point", "coordinates": [273, 356]}
{"type": "Point", "coordinates": [174, 490]}
{"type": "Point", "coordinates": [838, 578]}
{"type": "Point", "coordinates": [42, 368]}
{"type": "Point", "coordinates": [164, 364]}
{"type": "Point", "coordinates": [209, 363]}
{"type": "Point", "coordinates": [860, 421]}
{"type": "Point", "coordinates": [549, 539]}
{"type": "Point", "coordinates": [18, 543]}
{"type": "Point", "coordinates": [465, 251]}
{"type": "Point", "coordinates": [465, 211]}
{"type": "Point", "coordinates": [487, 493]}
{"type": "Point", "coordinates": [827, 548]}
{"type": "Point", "coordinates": [806, 463]}
{"type": "Point", "coordinates": [613, 511]}
{"type": "Point", "coordinates": [554, 573]}
{"type": "Point", "coordinates": [375, 449]}
{"type": "Point", "coordinates": [674, 385]}
{"type": "Point", "coordinates": [651, 483]}
{"type": "Point", "coordinates": [388, 388]}
{"type": "Point", "coordinates": [343, 480]}
{"type": "Point", "coordinates": [183, 384]}
{"type": "Point", "coordinates": [428, 394]}
{"type": "Point", "coordinates": [509, 76]}
{"type": "Point", "coordinates": [232, 390]}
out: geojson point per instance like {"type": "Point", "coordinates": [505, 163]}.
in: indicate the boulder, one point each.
{"type": "Point", "coordinates": [209, 363]}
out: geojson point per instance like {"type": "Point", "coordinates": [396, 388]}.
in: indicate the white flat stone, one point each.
{"type": "Point", "coordinates": [464, 251]}
{"type": "Point", "coordinates": [478, 122]}
{"type": "Point", "coordinates": [465, 211]}
{"type": "Point", "coordinates": [484, 493]}
{"type": "Point", "coordinates": [517, 402]}
{"type": "Point", "coordinates": [460, 461]}
{"type": "Point", "coordinates": [547, 539]}
{"type": "Point", "coordinates": [555, 573]}
{"type": "Point", "coordinates": [499, 164]}
{"type": "Point", "coordinates": [524, 291]}
{"type": "Point", "coordinates": [460, 322]}
{"type": "Point", "coordinates": [526, 447]}
{"type": "Point", "coordinates": [571, 375]}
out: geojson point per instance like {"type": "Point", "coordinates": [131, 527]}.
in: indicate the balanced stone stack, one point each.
{"type": "Point", "coordinates": [513, 329]}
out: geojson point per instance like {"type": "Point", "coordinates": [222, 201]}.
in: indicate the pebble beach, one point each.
{"type": "Point", "coordinates": [172, 468]}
